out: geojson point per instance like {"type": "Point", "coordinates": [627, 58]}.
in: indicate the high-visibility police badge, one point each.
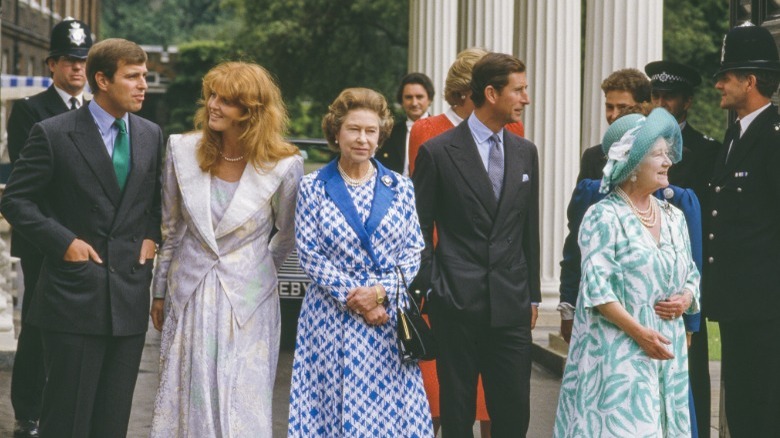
{"type": "Point", "coordinates": [76, 34]}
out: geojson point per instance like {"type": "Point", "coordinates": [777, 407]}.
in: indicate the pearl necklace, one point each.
{"type": "Point", "coordinates": [648, 217]}
{"type": "Point", "coordinates": [356, 182]}
{"type": "Point", "coordinates": [231, 159]}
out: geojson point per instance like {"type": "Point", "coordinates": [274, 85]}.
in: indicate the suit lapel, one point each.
{"type": "Point", "coordinates": [464, 154]}
{"type": "Point", "coordinates": [195, 187]}
{"type": "Point", "coordinates": [254, 189]}
{"type": "Point", "coordinates": [90, 144]}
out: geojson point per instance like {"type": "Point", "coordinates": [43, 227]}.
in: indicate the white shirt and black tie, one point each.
{"type": "Point", "coordinates": [72, 102]}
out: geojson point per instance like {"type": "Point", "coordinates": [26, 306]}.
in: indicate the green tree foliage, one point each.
{"type": "Point", "coordinates": [693, 35]}
{"type": "Point", "coordinates": [162, 22]}
{"type": "Point", "coordinates": [316, 48]}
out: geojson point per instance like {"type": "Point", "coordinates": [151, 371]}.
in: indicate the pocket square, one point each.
{"type": "Point", "coordinates": [525, 177]}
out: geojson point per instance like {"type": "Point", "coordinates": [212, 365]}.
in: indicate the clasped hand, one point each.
{"type": "Point", "coordinates": [674, 306]}
{"type": "Point", "coordinates": [362, 300]}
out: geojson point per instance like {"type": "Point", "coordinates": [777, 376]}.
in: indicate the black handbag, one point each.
{"type": "Point", "coordinates": [415, 339]}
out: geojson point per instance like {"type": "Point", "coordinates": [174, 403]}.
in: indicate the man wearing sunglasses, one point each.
{"type": "Point", "coordinates": [70, 41]}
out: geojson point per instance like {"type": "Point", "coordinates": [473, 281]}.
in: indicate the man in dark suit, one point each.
{"type": "Point", "coordinates": [622, 89]}
{"type": "Point", "coordinates": [742, 263]}
{"type": "Point", "coordinates": [415, 95]}
{"type": "Point", "coordinates": [70, 42]}
{"type": "Point", "coordinates": [478, 185]}
{"type": "Point", "coordinates": [673, 86]}
{"type": "Point", "coordinates": [86, 192]}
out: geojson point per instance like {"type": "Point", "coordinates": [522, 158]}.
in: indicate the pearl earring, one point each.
{"type": "Point", "coordinates": [633, 178]}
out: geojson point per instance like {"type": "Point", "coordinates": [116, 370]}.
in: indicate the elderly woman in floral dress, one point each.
{"type": "Point", "coordinates": [627, 373]}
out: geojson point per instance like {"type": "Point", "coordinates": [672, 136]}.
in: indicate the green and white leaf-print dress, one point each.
{"type": "Point", "coordinates": [610, 387]}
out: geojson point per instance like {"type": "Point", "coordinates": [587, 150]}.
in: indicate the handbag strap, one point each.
{"type": "Point", "coordinates": [409, 298]}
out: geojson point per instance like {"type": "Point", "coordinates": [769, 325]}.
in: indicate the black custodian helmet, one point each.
{"type": "Point", "coordinates": [70, 37]}
{"type": "Point", "coordinates": [749, 47]}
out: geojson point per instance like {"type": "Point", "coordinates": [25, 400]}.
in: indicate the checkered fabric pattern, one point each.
{"type": "Point", "coordinates": [347, 377]}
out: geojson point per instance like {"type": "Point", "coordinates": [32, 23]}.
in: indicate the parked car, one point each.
{"type": "Point", "coordinates": [292, 280]}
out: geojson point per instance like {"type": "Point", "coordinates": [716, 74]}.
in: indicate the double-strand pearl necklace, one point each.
{"type": "Point", "coordinates": [356, 182]}
{"type": "Point", "coordinates": [648, 217]}
{"type": "Point", "coordinates": [231, 159]}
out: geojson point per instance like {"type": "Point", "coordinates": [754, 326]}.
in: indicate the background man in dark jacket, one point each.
{"type": "Point", "coordinates": [415, 95]}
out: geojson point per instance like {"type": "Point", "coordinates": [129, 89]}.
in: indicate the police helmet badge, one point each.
{"type": "Point", "coordinates": [76, 34]}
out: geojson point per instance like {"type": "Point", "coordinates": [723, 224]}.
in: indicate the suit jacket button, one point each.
{"type": "Point", "coordinates": [739, 189]}
{"type": "Point", "coordinates": [111, 269]}
{"type": "Point", "coordinates": [711, 260]}
{"type": "Point", "coordinates": [717, 189]}
{"type": "Point", "coordinates": [711, 236]}
{"type": "Point", "coordinates": [714, 213]}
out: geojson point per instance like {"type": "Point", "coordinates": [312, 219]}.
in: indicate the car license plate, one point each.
{"type": "Point", "coordinates": [292, 289]}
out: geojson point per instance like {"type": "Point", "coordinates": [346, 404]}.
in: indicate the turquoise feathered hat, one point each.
{"type": "Point", "coordinates": [631, 137]}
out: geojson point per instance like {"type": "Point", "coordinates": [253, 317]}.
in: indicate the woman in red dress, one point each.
{"type": "Point", "coordinates": [457, 92]}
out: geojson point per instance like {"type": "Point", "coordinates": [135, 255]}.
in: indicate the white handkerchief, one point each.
{"type": "Point", "coordinates": [525, 177]}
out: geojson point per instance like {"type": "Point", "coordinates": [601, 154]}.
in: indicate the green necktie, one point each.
{"type": "Point", "coordinates": [121, 157]}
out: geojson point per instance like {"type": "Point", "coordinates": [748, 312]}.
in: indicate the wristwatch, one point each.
{"type": "Point", "coordinates": [381, 300]}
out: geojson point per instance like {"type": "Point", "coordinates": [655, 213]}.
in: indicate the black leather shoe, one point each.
{"type": "Point", "coordinates": [26, 429]}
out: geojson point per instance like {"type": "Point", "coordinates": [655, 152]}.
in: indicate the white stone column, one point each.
{"type": "Point", "coordinates": [549, 43]}
{"type": "Point", "coordinates": [433, 26]}
{"type": "Point", "coordinates": [486, 23]}
{"type": "Point", "coordinates": [618, 34]}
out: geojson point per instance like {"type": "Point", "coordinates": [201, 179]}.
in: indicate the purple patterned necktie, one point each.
{"type": "Point", "coordinates": [496, 164]}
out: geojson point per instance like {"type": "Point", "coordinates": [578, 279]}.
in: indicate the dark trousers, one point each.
{"type": "Point", "coordinates": [28, 376]}
{"type": "Point", "coordinates": [699, 373]}
{"type": "Point", "coordinates": [503, 357]}
{"type": "Point", "coordinates": [90, 384]}
{"type": "Point", "coordinates": [751, 377]}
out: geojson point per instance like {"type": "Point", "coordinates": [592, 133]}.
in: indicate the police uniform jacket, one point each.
{"type": "Point", "coordinates": [742, 263]}
{"type": "Point", "coordinates": [24, 114]}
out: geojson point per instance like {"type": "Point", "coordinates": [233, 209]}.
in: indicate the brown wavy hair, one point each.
{"type": "Point", "coordinates": [264, 122]}
{"type": "Point", "coordinates": [355, 99]}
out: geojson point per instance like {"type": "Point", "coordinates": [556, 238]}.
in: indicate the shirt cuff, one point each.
{"type": "Point", "coordinates": [566, 309]}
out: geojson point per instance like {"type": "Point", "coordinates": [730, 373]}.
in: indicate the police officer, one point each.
{"type": "Point", "coordinates": [742, 263]}
{"type": "Point", "coordinates": [673, 87]}
{"type": "Point", "coordinates": [70, 42]}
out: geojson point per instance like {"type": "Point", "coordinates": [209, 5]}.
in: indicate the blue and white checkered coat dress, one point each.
{"type": "Point", "coordinates": [347, 379]}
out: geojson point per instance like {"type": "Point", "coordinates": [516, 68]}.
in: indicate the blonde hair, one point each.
{"type": "Point", "coordinates": [459, 75]}
{"type": "Point", "coordinates": [355, 99]}
{"type": "Point", "coordinates": [264, 122]}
